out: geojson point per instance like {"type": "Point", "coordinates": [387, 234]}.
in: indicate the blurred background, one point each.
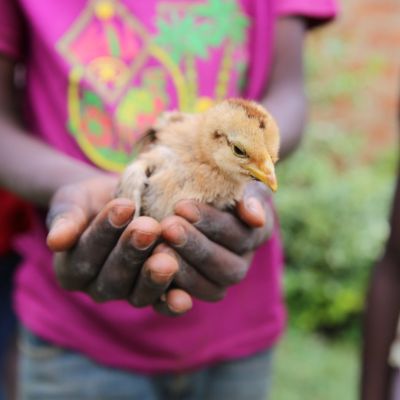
{"type": "Point", "coordinates": [337, 196]}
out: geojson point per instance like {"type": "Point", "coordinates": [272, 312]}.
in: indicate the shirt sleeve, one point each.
{"type": "Point", "coordinates": [11, 30]}
{"type": "Point", "coordinates": [316, 12]}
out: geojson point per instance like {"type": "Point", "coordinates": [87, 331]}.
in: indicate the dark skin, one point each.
{"type": "Point", "coordinates": [100, 250]}
{"type": "Point", "coordinates": [382, 313]}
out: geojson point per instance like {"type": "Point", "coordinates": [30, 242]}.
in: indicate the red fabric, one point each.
{"type": "Point", "coordinates": [14, 218]}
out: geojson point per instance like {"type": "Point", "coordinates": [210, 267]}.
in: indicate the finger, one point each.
{"type": "Point", "coordinates": [66, 228]}
{"type": "Point", "coordinates": [154, 279]}
{"type": "Point", "coordinates": [251, 211]}
{"type": "Point", "coordinates": [247, 210]}
{"type": "Point", "coordinates": [77, 267]}
{"type": "Point", "coordinates": [215, 262]}
{"type": "Point", "coordinates": [192, 282]}
{"type": "Point", "coordinates": [254, 206]}
{"type": "Point", "coordinates": [73, 207]}
{"type": "Point", "coordinates": [256, 210]}
{"type": "Point", "coordinates": [119, 272]}
{"type": "Point", "coordinates": [67, 218]}
{"type": "Point", "coordinates": [221, 227]}
{"type": "Point", "coordinates": [176, 302]}
{"type": "Point", "coordinates": [157, 274]}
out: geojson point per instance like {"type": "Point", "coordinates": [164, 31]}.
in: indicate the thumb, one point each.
{"type": "Point", "coordinates": [74, 206]}
{"type": "Point", "coordinates": [67, 219]}
{"type": "Point", "coordinates": [65, 229]}
{"type": "Point", "coordinates": [251, 211]}
{"type": "Point", "coordinates": [254, 208]}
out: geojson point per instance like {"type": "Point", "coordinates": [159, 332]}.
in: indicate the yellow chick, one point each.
{"type": "Point", "coordinates": [208, 157]}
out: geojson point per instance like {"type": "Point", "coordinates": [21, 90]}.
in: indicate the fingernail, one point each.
{"type": "Point", "coordinates": [142, 240]}
{"type": "Point", "coordinates": [178, 306]}
{"type": "Point", "coordinates": [120, 216]}
{"type": "Point", "coordinates": [177, 235]}
{"type": "Point", "coordinates": [160, 278]}
{"type": "Point", "coordinates": [189, 211]}
{"type": "Point", "coordinates": [61, 223]}
{"type": "Point", "coordinates": [57, 223]}
{"type": "Point", "coordinates": [62, 235]}
{"type": "Point", "coordinates": [253, 205]}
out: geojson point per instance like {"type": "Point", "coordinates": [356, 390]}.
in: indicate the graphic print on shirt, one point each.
{"type": "Point", "coordinates": [122, 75]}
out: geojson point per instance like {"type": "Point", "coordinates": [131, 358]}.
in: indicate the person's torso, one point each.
{"type": "Point", "coordinates": [98, 74]}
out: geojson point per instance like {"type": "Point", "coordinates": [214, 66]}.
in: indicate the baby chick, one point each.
{"type": "Point", "coordinates": [208, 157]}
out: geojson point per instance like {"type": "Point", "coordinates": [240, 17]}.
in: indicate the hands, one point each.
{"type": "Point", "coordinates": [101, 251]}
{"type": "Point", "coordinates": [214, 248]}
{"type": "Point", "coordinates": [199, 252]}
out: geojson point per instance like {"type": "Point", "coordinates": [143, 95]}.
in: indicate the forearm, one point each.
{"type": "Point", "coordinates": [32, 169]}
{"type": "Point", "coordinates": [285, 94]}
{"type": "Point", "coordinates": [28, 167]}
{"type": "Point", "coordinates": [290, 118]}
{"type": "Point", "coordinates": [379, 330]}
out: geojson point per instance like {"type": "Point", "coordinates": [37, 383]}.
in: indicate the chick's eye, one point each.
{"type": "Point", "coordinates": [239, 151]}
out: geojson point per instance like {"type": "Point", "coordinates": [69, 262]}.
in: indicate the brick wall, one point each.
{"type": "Point", "coordinates": [354, 70]}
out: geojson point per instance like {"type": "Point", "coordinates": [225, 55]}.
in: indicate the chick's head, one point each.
{"type": "Point", "coordinates": [242, 139]}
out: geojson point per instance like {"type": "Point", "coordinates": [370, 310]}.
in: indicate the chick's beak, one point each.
{"type": "Point", "coordinates": [264, 172]}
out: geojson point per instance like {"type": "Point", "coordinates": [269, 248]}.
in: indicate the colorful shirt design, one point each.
{"type": "Point", "coordinates": [122, 75]}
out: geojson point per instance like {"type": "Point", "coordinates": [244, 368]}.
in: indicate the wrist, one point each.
{"type": "Point", "coordinates": [75, 173]}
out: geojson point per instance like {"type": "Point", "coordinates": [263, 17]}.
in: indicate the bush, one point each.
{"type": "Point", "coordinates": [333, 210]}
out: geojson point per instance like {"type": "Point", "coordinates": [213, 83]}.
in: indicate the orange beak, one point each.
{"type": "Point", "coordinates": [264, 172]}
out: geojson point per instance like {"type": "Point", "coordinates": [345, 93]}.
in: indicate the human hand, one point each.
{"type": "Point", "coordinates": [214, 248]}
{"type": "Point", "coordinates": [101, 251]}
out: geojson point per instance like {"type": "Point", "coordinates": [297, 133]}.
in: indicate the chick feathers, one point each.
{"type": "Point", "coordinates": [208, 157]}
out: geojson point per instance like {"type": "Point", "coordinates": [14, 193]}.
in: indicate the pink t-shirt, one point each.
{"type": "Point", "coordinates": [98, 73]}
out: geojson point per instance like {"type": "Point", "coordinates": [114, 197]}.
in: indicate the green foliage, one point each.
{"type": "Point", "coordinates": [346, 80]}
{"type": "Point", "coordinates": [333, 211]}
{"type": "Point", "coordinates": [311, 368]}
